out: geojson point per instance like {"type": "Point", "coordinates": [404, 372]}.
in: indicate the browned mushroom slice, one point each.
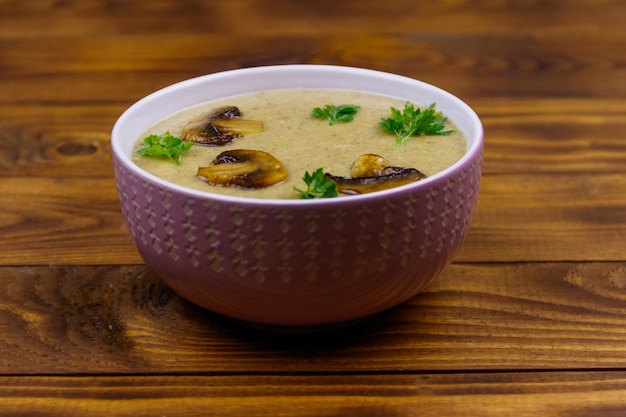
{"type": "Point", "coordinates": [220, 127]}
{"type": "Point", "coordinates": [392, 177]}
{"type": "Point", "coordinates": [244, 168]}
{"type": "Point", "coordinates": [226, 112]}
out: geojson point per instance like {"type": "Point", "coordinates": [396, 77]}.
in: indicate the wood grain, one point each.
{"type": "Point", "coordinates": [575, 394]}
{"type": "Point", "coordinates": [62, 221]}
{"type": "Point", "coordinates": [559, 135]}
{"type": "Point", "coordinates": [483, 16]}
{"type": "Point", "coordinates": [432, 42]}
{"type": "Point", "coordinates": [549, 316]}
{"type": "Point", "coordinates": [57, 141]}
{"type": "Point", "coordinates": [498, 67]}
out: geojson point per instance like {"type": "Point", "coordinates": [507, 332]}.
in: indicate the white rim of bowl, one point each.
{"type": "Point", "coordinates": [300, 69]}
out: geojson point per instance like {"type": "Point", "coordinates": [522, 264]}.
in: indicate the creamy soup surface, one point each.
{"type": "Point", "coordinates": [303, 142]}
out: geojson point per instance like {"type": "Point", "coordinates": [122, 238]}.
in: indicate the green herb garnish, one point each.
{"type": "Point", "coordinates": [414, 122]}
{"type": "Point", "coordinates": [318, 186]}
{"type": "Point", "coordinates": [342, 113]}
{"type": "Point", "coordinates": [164, 146]}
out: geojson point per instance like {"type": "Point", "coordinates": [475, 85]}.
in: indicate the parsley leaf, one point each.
{"type": "Point", "coordinates": [164, 146]}
{"type": "Point", "coordinates": [343, 113]}
{"type": "Point", "coordinates": [415, 121]}
{"type": "Point", "coordinates": [318, 186]}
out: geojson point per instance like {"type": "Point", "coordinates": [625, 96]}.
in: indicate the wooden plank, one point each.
{"type": "Point", "coordinates": [566, 135]}
{"type": "Point", "coordinates": [77, 54]}
{"type": "Point", "coordinates": [57, 141]}
{"type": "Point", "coordinates": [123, 320]}
{"type": "Point", "coordinates": [18, 18]}
{"type": "Point", "coordinates": [516, 132]}
{"type": "Point", "coordinates": [525, 136]}
{"type": "Point", "coordinates": [552, 394]}
{"type": "Point", "coordinates": [62, 220]}
{"type": "Point", "coordinates": [90, 89]}
{"type": "Point", "coordinates": [512, 53]}
{"type": "Point", "coordinates": [122, 74]}
{"type": "Point", "coordinates": [543, 217]}
{"type": "Point", "coordinates": [548, 217]}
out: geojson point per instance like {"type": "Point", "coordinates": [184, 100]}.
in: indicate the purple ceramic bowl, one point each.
{"type": "Point", "coordinates": [297, 264]}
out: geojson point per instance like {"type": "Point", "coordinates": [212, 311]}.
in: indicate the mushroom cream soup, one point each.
{"type": "Point", "coordinates": [302, 142]}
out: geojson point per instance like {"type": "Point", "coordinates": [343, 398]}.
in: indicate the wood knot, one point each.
{"type": "Point", "coordinates": [72, 148]}
{"type": "Point", "coordinates": [605, 280]}
{"type": "Point", "coordinates": [151, 294]}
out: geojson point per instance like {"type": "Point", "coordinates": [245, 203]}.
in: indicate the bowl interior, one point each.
{"type": "Point", "coordinates": [156, 106]}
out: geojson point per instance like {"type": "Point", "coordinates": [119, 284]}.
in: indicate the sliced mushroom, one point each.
{"type": "Point", "coordinates": [393, 178]}
{"type": "Point", "coordinates": [244, 168]}
{"type": "Point", "coordinates": [220, 127]}
{"type": "Point", "coordinates": [371, 172]}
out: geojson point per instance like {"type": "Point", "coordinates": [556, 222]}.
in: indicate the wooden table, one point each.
{"type": "Point", "coordinates": [530, 320]}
